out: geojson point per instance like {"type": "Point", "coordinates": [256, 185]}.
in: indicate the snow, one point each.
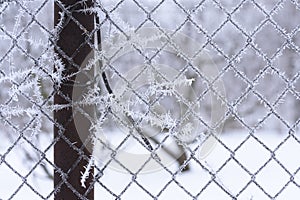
{"type": "Point", "coordinates": [270, 174]}
{"type": "Point", "coordinates": [15, 167]}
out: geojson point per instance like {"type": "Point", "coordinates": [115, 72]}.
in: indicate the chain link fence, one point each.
{"type": "Point", "coordinates": [149, 99]}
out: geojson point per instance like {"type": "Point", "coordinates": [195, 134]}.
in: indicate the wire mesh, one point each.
{"type": "Point", "coordinates": [165, 87]}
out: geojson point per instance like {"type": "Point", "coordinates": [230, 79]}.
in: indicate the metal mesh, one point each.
{"type": "Point", "coordinates": [192, 72]}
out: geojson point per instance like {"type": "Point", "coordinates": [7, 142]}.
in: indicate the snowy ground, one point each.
{"type": "Point", "coordinates": [252, 155]}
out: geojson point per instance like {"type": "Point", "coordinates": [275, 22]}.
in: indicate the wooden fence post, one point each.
{"type": "Point", "coordinates": [72, 41]}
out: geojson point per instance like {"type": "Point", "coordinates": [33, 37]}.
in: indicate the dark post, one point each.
{"type": "Point", "coordinates": [69, 150]}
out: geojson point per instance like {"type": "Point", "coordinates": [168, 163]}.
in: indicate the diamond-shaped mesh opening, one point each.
{"type": "Point", "coordinates": [274, 90]}
{"type": "Point", "coordinates": [286, 62]}
{"type": "Point", "coordinates": [249, 149]}
{"type": "Point", "coordinates": [291, 163]}
{"type": "Point", "coordinates": [234, 35]}
{"type": "Point", "coordinates": [282, 18]}
{"type": "Point", "coordinates": [221, 152]}
{"type": "Point", "coordinates": [137, 16]}
{"type": "Point", "coordinates": [278, 180]}
{"type": "Point", "coordinates": [246, 23]}
{"type": "Point", "coordinates": [233, 77]}
{"type": "Point", "coordinates": [237, 182]}
{"type": "Point", "coordinates": [205, 17]}
{"type": "Point", "coordinates": [116, 186]}
{"type": "Point", "coordinates": [154, 187]}
{"type": "Point", "coordinates": [292, 101]}
{"type": "Point", "coordinates": [266, 32]}
{"type": "Point", "coordinates": [165, 10]}
{"type": "Point", "coordinates": [194, 181]}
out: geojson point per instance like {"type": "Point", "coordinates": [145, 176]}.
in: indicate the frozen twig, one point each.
{"type": "Point", "coordinates": [86, 173]}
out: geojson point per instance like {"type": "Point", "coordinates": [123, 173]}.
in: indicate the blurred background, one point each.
{"type": "Point", "coordinates": [253, 43]}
